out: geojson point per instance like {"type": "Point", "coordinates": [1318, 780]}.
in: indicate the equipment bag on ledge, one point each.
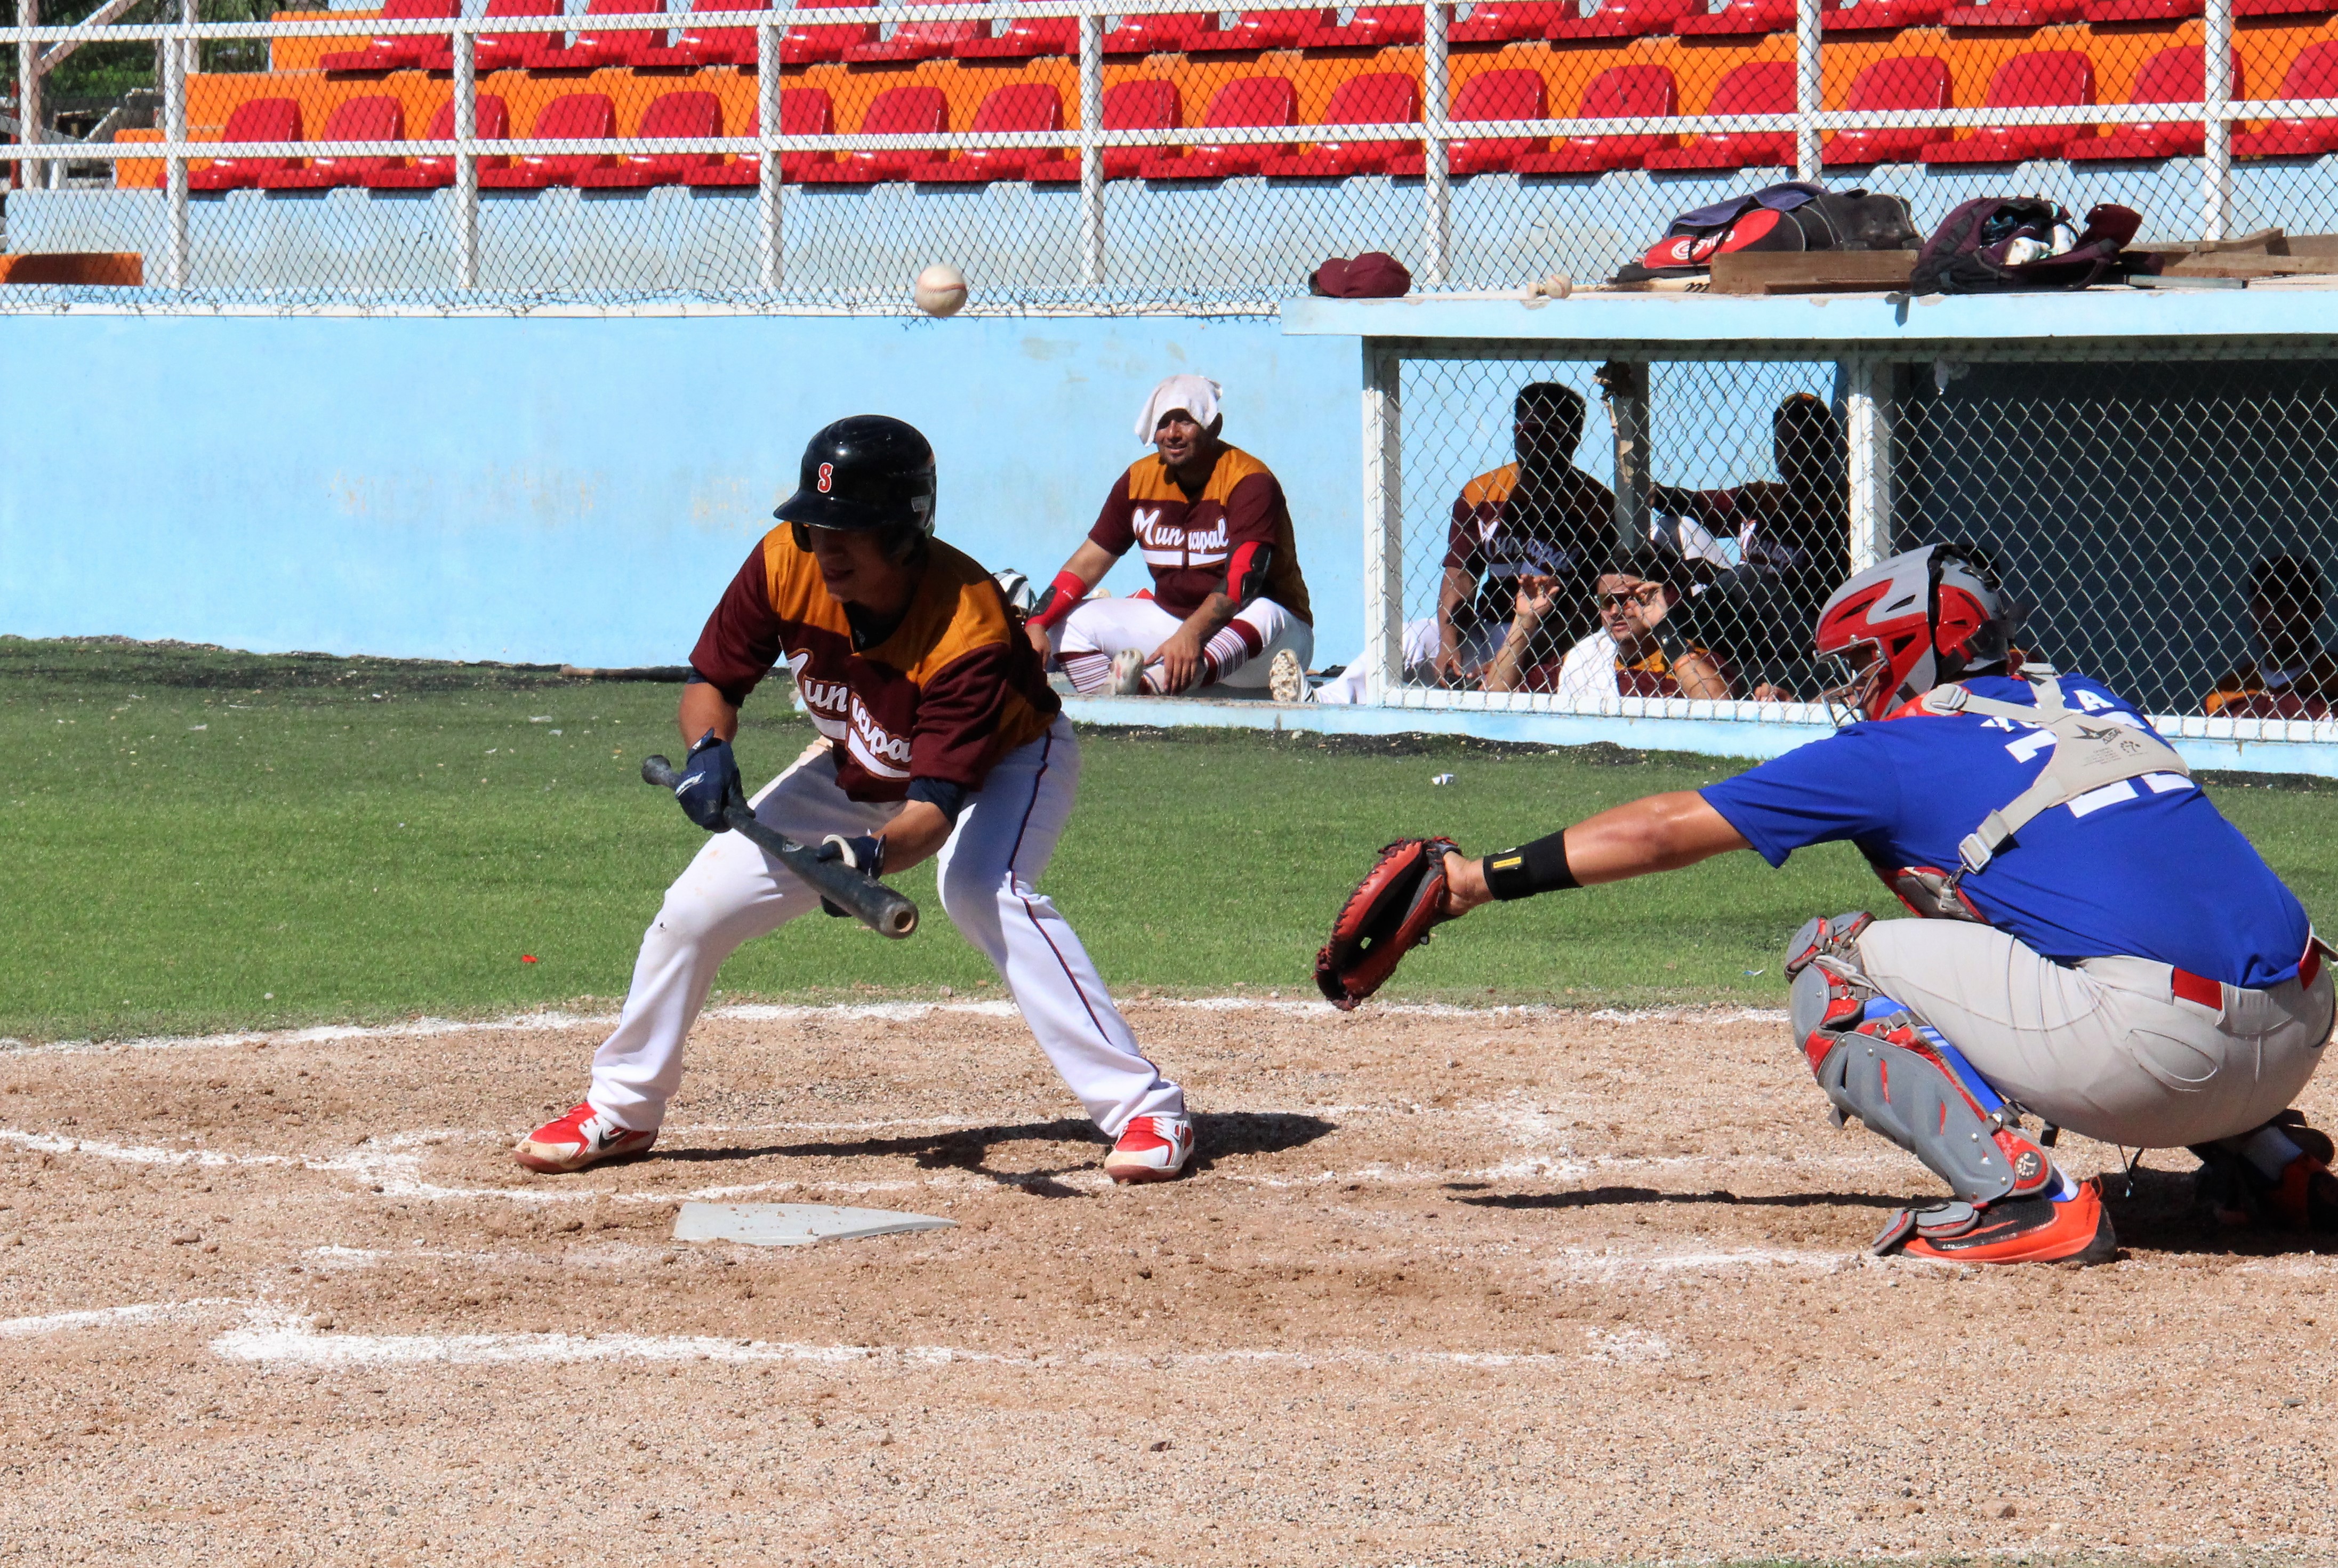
{"type": "Point", "coordinates": [2003, 242]}
{"type": "Point", "coordinates": [1795, 216]}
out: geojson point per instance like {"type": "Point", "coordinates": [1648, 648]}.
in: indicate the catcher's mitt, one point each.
{"type": "Point", "coordinates": [1385, 918]}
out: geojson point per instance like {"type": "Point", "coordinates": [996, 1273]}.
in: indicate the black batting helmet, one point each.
{"type": "Point", "coordinates": [867, 472]}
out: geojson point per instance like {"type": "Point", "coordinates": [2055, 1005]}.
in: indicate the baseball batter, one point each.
{"type": "Point", "coordinates": [941, 739]}
{"type": "Point", "coordinates": [2099, 948]}
{"type": "Point", "coordinates": [1228, 606]}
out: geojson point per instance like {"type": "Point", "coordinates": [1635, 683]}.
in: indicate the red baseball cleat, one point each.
{"type": "Point", "coordinates": [2076, 1229]}
{"type": "Point", "coordinates": [583, 1137]}
{"type": "Point", "coordinates": [2303, 1197]}
{"type": "Point", "coordinates": [1151, 1148]}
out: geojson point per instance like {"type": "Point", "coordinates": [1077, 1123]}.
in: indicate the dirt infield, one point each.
{"type": "Point", "coordinates": [1448, 1288]}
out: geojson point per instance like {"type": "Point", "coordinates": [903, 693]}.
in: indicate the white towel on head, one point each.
{"type": "Point", "coordinates": [1196, 395]}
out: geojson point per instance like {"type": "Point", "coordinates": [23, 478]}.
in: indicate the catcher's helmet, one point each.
{"type": "Point", "coordinates": [1906, 625]}
{"type": "Point", "coordinates": [867, 472]}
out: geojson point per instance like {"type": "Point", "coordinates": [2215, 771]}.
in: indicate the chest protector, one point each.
{"type": "Point", "coordinates": [2090, 751]}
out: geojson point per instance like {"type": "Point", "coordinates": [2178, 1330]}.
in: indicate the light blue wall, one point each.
{"type": "Point", "coordinates": [578, 489]}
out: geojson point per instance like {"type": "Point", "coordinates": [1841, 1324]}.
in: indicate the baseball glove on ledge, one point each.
{"type": "Point", "coordinates": [1386, 917]}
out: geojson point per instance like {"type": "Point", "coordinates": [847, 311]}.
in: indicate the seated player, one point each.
{"type": "Point", "coordinates": [2100, 948]}
{"type": "Point", "coordinates": [1633, 653]}
{"type": "Point", "coordinates": [1228, 606]}
{"type": "Point", "coordinates": [1538, 516]}
{"type": "Point", "coordinates": [942, 740]}
{"type": "Point", "coordinates": [2293, 676]}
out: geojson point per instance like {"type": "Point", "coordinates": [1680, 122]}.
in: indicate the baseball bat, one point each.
{"type": "Point", "coordinates": [875, 905]}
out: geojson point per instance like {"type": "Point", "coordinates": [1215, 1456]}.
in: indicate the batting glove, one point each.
{"type": "Point", "coordinates": [865, 853]}
{"type": "Point", "coordinates": [709, 783]}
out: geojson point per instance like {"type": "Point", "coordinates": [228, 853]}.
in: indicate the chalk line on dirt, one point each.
{"type": "Point", "coordinates": [137, 1315]}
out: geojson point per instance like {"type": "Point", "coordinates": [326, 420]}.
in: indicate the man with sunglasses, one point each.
{"type": "Point", "coordinates": [939, 738]}
{"type": "Point", "coordinates": [2100, 948]}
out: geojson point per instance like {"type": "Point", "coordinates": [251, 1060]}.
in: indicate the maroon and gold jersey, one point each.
{"type": "Point", "coordinates": [1512, 523]}
{"type": "Point", "coordinates": [1194, 544]}
{"type": "Point", "coordinates": [948, 692]}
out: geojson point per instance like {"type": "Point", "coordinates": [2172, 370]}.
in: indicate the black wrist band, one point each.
{"type": "Point", "coordinates": [1531, 869]}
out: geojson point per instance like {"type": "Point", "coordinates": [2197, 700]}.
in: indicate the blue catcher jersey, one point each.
{"type": "Point", "coordinates": [2146, 867]}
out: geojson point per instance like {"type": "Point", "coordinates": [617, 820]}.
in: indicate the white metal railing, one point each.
{"type": "Point", "coordinates": [1434, 133]}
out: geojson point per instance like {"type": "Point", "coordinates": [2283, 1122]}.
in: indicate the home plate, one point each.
{"type": "Point", "coordinates": [793, 1224]}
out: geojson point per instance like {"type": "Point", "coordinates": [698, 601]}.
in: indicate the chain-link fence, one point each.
{"type": "Point", "coordinates": [1653, 538]}
{"type": "Point", "coordinates": [1164, 158]}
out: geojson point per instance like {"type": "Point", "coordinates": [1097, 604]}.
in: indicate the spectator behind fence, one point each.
{"type": "Point", "coordinates": [2291, 676]}
{"type": "Point", "coordinates": [1538, 516]}
{"type": "Point", "coordinates": [1227, 606]}
{"type": "Point", "coordinates": [1633, 653]}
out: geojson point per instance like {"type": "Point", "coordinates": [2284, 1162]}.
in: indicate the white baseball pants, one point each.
{"type": "Point", "coordinates": [1085, 640]}
{"type": "Point", "coordinates": [732, 892]}
{"type": "Point", "coordinates": [2103, 1048]}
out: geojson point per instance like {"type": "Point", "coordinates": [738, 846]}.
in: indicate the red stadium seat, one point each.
{"type": "Point", "coordinates": [1025, 106]}
{"type": "Point", "coordinates": [592, 50]}
{"type": "Point", "coordinates": [1618, 92]}
{"type": "Point", "coordinates": [1246, 100]}
{"type": "Point", "coordinates": [2014, 14]}
{"type": "Point", "coordinates": [1741, 17]}
{"type": "Point", "coordinates": [492, 122]}
{"type": "Point", "coordinates": [670, 115]}
{"type": "Point", "coordinates": [1147, 104]}
{"type": "Point", "coordinates": [571, 117]}
{"type": "Point", "coordinates": [2141, 10]}
{"type": "Point", "coordinates": [1380, 98]}
{"type": "Point", "coordinates": [912, 111]}
{"type": "Point", "coordinates": [803, 111]}
{"type": "Point", "coordinates": [1272, 29]}
{"type": "Point", "coordinates": [1025, 38]}
{"type": "Point", "coordinates": [1167, 33]}
{"type": "Point", "coordinates": [1903, 82]}
{"type": "Point", "coordinates": [1884, 16]}
{"type": "Point", "coordinates": [499, 51]}
{"type": "Point", "coordinates": [401, 53]}
{"type": "Point", "coordinates": [2041, 78]}
{"type": "Point", "coordinates": [1763, 87]}
{"type": "Point", "coordinates": [921, 40]}
{"type": "Point", "coordinates": [1500, 22]}
{"type": "Point", "coordinates": [2313, 74]}
{"type": "Point", "coordinates": [1371, 27]}
{"type": "Point", "coordinates": [1625, 19]}
{"type": "Point", "coordinates": [357, 120]}
{"type": "Point", "coordinates": [2284, 7]}
{"type": "Point", "coordinates": [253, 120]}
{"type": "Point", "coordinates": [2170, 76]}
{"type": "Point", "coordinates": [706, 45]}
{"type": "Point", "coordinates": [812, 45]}
{"type": "Point", "coordinates": [1489, 95]}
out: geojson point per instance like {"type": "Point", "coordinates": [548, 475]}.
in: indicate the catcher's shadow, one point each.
{"type": "Point", "coordinates": [1613, 1197]}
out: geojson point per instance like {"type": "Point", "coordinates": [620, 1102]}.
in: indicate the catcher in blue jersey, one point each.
{"type": "Point", "coordinates": [2099, 948]}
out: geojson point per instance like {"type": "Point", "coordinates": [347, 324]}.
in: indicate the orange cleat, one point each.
{"type": "Point", "coordinates": [2074, 1230]}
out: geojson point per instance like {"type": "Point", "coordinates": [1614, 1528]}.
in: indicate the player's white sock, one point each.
{"type": "Point", "coordinates": [1235, 643]}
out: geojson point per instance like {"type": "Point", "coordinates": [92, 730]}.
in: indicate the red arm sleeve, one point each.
{"type": "Point", "coordinates": [1116, 525]}
{"type": "Point", "coordinates": [959, 710]}
{"type": "Point", "coordinates": [742, 640]}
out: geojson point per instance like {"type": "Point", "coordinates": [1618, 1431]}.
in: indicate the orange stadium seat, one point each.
{"type": "Point", "coordinates": [592, 50]}
{"type": "Point", "coordinates": [1903, 82]}
{"type": "Point", "coordinates": [253, 120]}
{"type": "Point", "coordinates": [1272, 29]}
{"type": "Point", "coordinates": [2313, 74]}
{"type": "Point", "coordinates": [2170, 76]}
{"type": "Point", "coordinates": [1147, 104]}
{"type": "Point", "coordinates": [2014, 14]}
{"type": "Point", "coordinates": [811, 45]}
{"type": "Point", "coordinates": [1378, 98]}
{"type": "Point", "coordinates": [1489, 95]}
{"type": "Point", "coordinates": [374, 118]}
{"type": "Point", "coordinates": [571, 117]}
{"type": "Point", "coordinates": [1024, 106]}
{"type": "Point", "coordinates": [1618, 92]}
{"type": "Point", "coordinates": [1761, 87]}
{"type": "Point", "coordinates": [911, 111]}
{"type": "Point", "coordinates": [1025, 38]}
{"type": "Point", "coordinates": [2039, 79]}
{"type": "Point", "coordinates": [1246, 100]}
{"type": "Point", "coordinates": [1499, 22]}
{"type": "Point", "coordinates": [803, 111]}
{"type": "Point", "coordinates": [398, 52]}
{"type": "Point", "coordinates": [1167, 33]}
{"type": "Point", "coordinates": [921, 40]}
{"type": "Point", "coordinates": [499, 51]}
{"type": "Point", "coordinates": [1884, 16]}
{"type": "Point", "coordinates": [492, 122]}
{"type": "Point", "coordinates": [1371, 27]}
{"type": "Point", "coordinates": [669, 115]}
{"type": "Point", "coordinates": [1625, 19]}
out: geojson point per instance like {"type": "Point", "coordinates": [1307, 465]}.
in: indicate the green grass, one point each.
{"type": "Point", "coordinates": [188, 830]}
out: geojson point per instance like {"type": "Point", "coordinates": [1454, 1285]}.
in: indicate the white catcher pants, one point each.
{"type": "Point", "coordinates": [732, 892]}
{"type": "Point", "coordinates": [1105, 626]}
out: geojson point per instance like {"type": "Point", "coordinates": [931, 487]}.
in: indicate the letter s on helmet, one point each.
{"type": "Point", "coordinates": [1906, 625]}
{"type": "Point", "coordinates": [866, 472]}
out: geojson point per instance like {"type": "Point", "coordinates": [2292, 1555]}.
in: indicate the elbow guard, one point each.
{"type": "Point", "coordinates": [1246, 572]}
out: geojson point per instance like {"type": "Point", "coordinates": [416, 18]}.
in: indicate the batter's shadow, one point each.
{"type": "Point", "coordinates": [1610, 1197]}
{"type": "Point", "coordinates": [973, 1148]}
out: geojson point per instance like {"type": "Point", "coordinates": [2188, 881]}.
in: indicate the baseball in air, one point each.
{"type": "Point", "coordinates": [940, 290]}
